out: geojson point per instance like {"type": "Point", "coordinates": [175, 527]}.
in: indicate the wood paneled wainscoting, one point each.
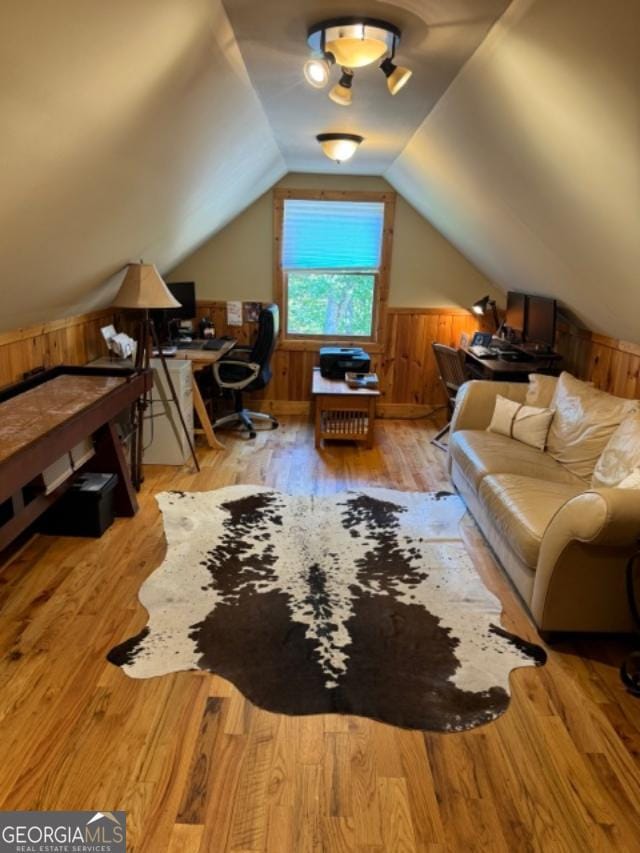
{"type": "Point", "coordinates": [403, 360]}
{"type": "Point", "coordinates": [74, 340]}
{"type": "Point", "coordinates": [612, 365]}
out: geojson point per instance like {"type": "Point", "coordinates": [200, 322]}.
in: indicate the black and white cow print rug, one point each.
{"type": "Point", "coordinates": [364, 602]}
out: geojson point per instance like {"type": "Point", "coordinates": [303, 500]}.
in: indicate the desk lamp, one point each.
{"type": "Point", "coordinates": [481, 307]}
{"type": "Point", "coordinates": [142, 290]}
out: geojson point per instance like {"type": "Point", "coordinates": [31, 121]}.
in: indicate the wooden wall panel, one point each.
{"type": "Point", "coordinates": [613, 365]}
{"type": "Point", "coordinates": [74, 340]}
{"type": "Point", "coordinates": [406, 366]}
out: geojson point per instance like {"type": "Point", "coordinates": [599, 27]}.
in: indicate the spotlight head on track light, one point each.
{"type": "Point", "coordinates": [316, 70]}
{"type": "Point", "coordinates": [396, 75]}
{"type": "Point", "coordinates": [341, 92]}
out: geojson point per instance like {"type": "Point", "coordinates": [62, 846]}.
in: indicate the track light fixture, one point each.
{"type": "Point", "coordinates": [341, 92]}
{"type": "Point", "coordinates": [353, 43]}
{"type": "Point", "coordinates": [339, 146]}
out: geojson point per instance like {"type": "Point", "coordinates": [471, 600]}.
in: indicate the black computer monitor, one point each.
{"type": "Point", "coordinates": [166, 320]}
{"type": "Point", "coordinates": [185, 293]}
{"type": "Point", "coordinates": [516, 312]}
{"type": "Point", "coordinates": [540, 326]}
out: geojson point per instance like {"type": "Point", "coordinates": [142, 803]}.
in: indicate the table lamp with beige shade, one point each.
{"type": "Point", "coordinates": [144, 290]}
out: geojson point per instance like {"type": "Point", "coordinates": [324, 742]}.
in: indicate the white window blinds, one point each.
{"type": "Point", "coordinates": [331, 235]}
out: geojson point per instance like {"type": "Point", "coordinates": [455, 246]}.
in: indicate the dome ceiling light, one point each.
{"type": "Point", "coordinates": [353, 43]}
{"type": "Point", "coordinates": [339, 146]}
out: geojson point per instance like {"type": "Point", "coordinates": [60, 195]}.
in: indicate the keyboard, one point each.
{"type": "Point", "coordinates": [209, 344]}
{"type": "Point", "coordinates": [481, 352]}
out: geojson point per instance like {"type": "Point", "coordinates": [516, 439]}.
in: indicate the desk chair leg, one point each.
{"type": "Point", "coordinates": [264, 416]}
{"type": "Point", "coordinates": [437, 438]}
{"type": "Point", "coordinates": [245, 418]}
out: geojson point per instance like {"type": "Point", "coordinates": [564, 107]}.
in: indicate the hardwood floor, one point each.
{"type": "Point", "coordinates": [199, 769]}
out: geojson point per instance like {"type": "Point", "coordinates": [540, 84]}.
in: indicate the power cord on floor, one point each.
{"type": "Point", "coordinates": [630, 669]}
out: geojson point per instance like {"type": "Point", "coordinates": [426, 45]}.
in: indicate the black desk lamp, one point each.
{"type": "Point", "coordinates": [481, 307]}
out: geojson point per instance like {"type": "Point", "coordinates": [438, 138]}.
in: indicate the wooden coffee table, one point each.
{"type": "Point", "coordinates": [343, 413]}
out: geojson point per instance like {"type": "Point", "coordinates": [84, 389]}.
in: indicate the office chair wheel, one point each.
{"type": "Point", "coordinates": [275, 424]}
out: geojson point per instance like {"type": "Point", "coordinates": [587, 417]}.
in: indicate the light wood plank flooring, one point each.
{"type": "Point", "coordinates": [199, 769]}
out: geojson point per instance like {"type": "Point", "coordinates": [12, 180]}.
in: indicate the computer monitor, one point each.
{"type": "Point", "coordinates": [185, 293]}
{"type": "Point", "coordinates": [540, 326]}
{"type": "Point", "coordinates": [166, 320]}
{"type": "Point", "coordinates": [516, 312]}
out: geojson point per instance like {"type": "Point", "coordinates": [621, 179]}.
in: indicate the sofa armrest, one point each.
{"type": "Point", "coordinates": [476, 401]}
{"type": "Point", "coordinates": [606, 520]}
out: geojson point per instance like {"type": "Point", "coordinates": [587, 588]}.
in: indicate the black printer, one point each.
{"type": "Point", "coordinates": [336, 361]}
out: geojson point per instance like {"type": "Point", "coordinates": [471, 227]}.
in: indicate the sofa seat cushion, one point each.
{"type": "Point", "coordinates": [479, 453]}
{"type": "Point", "coordinates": [522, 507]}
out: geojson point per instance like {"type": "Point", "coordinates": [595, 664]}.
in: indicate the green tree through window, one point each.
{"type": "Point", "coordinates": [330, 303]}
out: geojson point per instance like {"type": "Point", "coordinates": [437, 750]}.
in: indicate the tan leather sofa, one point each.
{"type": "Point", "coordinates": [564, 544]}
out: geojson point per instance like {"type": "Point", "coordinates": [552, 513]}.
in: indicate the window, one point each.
{"type": "Point", "coordinates": [332, 264]}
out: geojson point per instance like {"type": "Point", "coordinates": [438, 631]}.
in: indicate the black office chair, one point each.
{"type": "Point", "coordinates": [249, 369]}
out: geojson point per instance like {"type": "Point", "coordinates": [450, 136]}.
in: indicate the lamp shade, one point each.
{"type": "Point", "coordinates": [396, 75]}
{"type": "Point", "coordinates": [316, 72]}
{"type": "Point", "coordinates": [480, 307]}
{"type": "Point", "coordinates": [143, 287]}
{"type": "Point", "coordinates": [341, 92]}
{"type": "Point", "coordinates": [339, 146]}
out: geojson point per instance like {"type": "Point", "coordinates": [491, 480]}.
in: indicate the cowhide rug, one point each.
{"type": "Point", "coordinates": [364, 602]}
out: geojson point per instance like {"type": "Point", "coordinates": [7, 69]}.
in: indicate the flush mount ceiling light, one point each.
{"type": "Point", "coordinates": [353, 43]}
{"type": "Point", "coordinates": [339, 146]}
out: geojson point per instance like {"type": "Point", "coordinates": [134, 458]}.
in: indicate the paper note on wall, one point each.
{"type": "Point", "coordinates": [234, 313]}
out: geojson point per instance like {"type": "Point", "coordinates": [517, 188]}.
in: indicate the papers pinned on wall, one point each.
{"type": "Point", "coordinates": [234, 313]}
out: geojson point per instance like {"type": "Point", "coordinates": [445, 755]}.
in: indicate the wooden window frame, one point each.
{"type": "Point", "coordinates": [381, 292]}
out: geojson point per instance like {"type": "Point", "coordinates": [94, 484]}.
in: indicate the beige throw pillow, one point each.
{"type": "Point", "coordinates": [621, 456]}
{"type": "Point", "coordinates": [527, 424]}
{"type": "Point", "coordinates": [541, 389]}
{"type": "Point", "coordinates": [584, 422]}
{"type": "Point", "coordinates": [503, 415]}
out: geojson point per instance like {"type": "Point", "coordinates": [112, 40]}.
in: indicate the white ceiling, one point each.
{"type": "Point", "coordinates": [530, 163]}
{"type": "Point", "coordinates": [437, 39]}
{"type": "Point", "coordinates": [130, 129]}
{"type": "Point", "coordinates": [139, 129]}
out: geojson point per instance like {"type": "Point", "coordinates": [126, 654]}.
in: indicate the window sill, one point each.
{"type": "Point", "coordinates": [306, 345]}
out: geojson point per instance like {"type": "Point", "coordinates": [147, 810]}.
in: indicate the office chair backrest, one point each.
{"type": "Point", "coordinates": [451, 369]}
{"type": "Point", "coordinates": [265, 343]}
{"type": "Point", "coordinates": [268, 327]}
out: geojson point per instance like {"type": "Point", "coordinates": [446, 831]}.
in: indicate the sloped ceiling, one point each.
{"type": "Point", "coordinates": [133, 129]}
{"type": "Point", "coordinates": [130, 129]}
{"type": "Point", "coordinates": [530, 163]}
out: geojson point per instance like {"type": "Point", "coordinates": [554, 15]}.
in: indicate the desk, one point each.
{"type": "Point", "coordinates": [502, 370]}
{"type": "Point", "coordinates": [201, 358]}
{"type": "Point", "coordinates": [43, 418]}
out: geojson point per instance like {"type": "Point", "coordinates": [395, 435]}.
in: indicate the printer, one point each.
{"type": "Point", "coordinates": [336, 361]}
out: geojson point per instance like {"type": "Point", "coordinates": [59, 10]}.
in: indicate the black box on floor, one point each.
{"type": "Point", "coordinates": [336, 361]}
{"type": "Point", "coordinates": [86, 509]}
